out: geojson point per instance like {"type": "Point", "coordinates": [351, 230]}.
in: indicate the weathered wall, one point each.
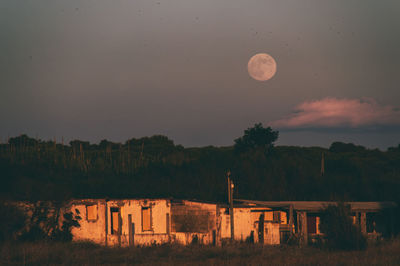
{"type": "Point", "coordinates": [116, 228]}
{"type": "Point", "coordinates": [246, 225]}
{"type": "Point", "coordinates": [194, 220]}
{"type": "Point", "coordinates": [225, 231]}
{"type": "Point", "coordinates": [89, 230]}
{"type": "Point", "coordinates": [159, 214]}
{"type": "Point", "coordinates": [122, 222]}
{"type": "Point", "coordinates": [111, 223]}
{"type": "Point", "coordinates": [180, 222]}
{"type": "Point", "coordinates": [272, 235]}
{"type": "Point", "coordinates": [243, 223]}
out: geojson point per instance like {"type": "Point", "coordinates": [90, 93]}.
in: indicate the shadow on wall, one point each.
{"type": "Point", "coordinates": [37, 221]}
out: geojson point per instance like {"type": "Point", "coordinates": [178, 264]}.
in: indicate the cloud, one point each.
{"type": "Point", "coordinates": [333, 113]}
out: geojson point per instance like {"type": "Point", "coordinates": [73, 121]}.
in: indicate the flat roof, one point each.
{"type": "Point", "coordinates": [318, 205]}
{"type": "Point", "coordinates": [311, 206]}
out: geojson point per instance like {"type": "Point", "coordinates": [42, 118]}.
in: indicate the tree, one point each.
{"type": "Point", "coordinates": [23, 140]}
{"type": "Point", "coordinates": [339, 230]}
{"type": "Point", "coordinates": [256, 138]}
{"type": "Point", "coordinates": [78, 143]}
{"type": "Point", "coordinates": [345, 147]}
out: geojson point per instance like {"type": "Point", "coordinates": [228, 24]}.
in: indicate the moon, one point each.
{"type": "Point", "coordinates": [261, 67]}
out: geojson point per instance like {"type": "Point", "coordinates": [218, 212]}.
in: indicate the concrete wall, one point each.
{"type": "Point", "coordinates": [89, 230]}
{"type": "Point", "coordinates": [160, 210]}
{"type": "Point", "coordinates": [97, 230]}
{"type": "Point", "coordinates": [246, 225]}
{"type": "Point", "coordinates": [243, 223]}
{"type": "Point", "coordinates": [179, 222]}
{"type": "Point", "coordinates": [194, 220]}
{"type": "Point", "coordinates": [272, 234]}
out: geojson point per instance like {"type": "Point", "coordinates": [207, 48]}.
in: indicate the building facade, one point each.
{"type": "Point", "coordinates": [155, 221]}
{"type": "Point", "coordinates": [128, 222]}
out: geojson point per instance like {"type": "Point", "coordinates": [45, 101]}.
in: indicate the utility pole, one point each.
{"type": "Point", "coordinates": [230, 196]}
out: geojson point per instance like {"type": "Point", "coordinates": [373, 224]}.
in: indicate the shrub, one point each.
{"type": "Point", "coordinates": [339, 230]}
{"type": "Point", "coordinates": [12, 221]}
{"type": "Point", "coordinates": [70, 220]}
{"type": "Point", "coordinates": [45, 224]}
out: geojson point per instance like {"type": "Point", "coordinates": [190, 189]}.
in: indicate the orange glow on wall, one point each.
{"type": "Point", "coordinates": [146, 219]}
{"type": "Point", "coordinates": [91, 212]}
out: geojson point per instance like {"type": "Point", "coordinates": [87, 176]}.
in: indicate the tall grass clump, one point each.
{"type": "Point", "coordinates": [339, 230]}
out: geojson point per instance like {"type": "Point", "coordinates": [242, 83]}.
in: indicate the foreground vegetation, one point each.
{"type": "Point", "coordinates": [50, 253]}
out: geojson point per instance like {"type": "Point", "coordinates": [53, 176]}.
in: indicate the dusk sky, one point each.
{"type": "Point", "coordinates": [114, 70]}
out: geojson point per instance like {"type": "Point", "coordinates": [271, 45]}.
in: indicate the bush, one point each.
{"type": "Point", "coordinates": [70, 220]}
{"type": "Point", "coordinates": [339, 230]}
{"type": "Point", "coordinates": [12, 221]}
{"type": "Point", "coordinates": [45, 224]}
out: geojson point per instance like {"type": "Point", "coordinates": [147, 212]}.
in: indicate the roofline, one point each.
{"type": "Point", "coordinates": [312, 206]}
{"type": "Point", "coordinates": [318, 205]}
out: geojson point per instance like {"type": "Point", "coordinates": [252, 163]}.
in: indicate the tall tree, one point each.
{"type": "Point", "coordinates": [256, 138]}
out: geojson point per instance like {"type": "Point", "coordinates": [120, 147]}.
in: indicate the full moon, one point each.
{"type": "Point", "coordinates": [261, 67]}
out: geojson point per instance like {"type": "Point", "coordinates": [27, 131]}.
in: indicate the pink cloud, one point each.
{"type": "Point", "coordinates": [333, 112]}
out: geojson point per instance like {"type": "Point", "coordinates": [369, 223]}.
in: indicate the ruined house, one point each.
{"type": "Point", "coordinates": [253, 223]}
{"type": "Point", "coordinates": [375, 219]}
{"type": "Point", "coordinates": [156, 221]}
{"type": "Point", "coordinates": [128, 222]}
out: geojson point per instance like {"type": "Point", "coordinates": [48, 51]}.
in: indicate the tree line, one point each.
{"type": "Point", "coordinates": [34, 169]}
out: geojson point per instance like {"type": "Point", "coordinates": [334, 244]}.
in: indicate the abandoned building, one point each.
{"type": "Point", "coordinates": [127, 222]}
{"type": "Point", "coordinates": [375, 219]}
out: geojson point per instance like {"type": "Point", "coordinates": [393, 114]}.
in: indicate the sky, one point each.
{"type": "Point", "coordinates": [100, 69]}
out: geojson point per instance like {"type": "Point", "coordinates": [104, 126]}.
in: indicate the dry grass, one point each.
{"type": "Point", "coordinates": [386, 253]}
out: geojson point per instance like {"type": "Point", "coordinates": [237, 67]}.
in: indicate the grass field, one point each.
{"type": "Point", "coordinates": [384, 253]}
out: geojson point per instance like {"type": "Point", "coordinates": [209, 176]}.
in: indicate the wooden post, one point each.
{"type": "Point", "coordinates": [302, 219]}
{"type": "Point", "coordinates": [232, 216]}
{"type": "Point", "coordinates": [133, 233]}
{"type": "Point", "coordinates": [106, 223]}
{"type": "Point", "coordinates": [291, 219]}
{"type": "Point", "coordinates": [261, 228]}
{"type": "Point", "coordinates": [119, 227]}
{"type": "Point", "coordinates": [305, 228]}
{"type": "Point", "coordinates": [229, 187]}
{"type": "Point", "coordinates": [363, 223]}
{"type": "Point", "coordinates": [230, 194]}
{"type": "Point", "coordinates": [214, 238]}
{"type": "Point", "coordinates": [130, 230]}
{"type": "Point", "coordinates": [218, 221]}
{"type": "Point", "coordinates": [168, 225]}
{"type": "Point", "coordinates": [357, 218]}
